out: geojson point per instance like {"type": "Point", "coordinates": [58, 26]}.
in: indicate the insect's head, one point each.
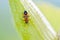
{"type": "Point", "coordinates": [25, 13]}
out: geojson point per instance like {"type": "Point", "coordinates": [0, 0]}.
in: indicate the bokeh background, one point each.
{"type": "Point", "coordinates": [51, 10]}
{"type": "Point", "coordinates": [7, 28]}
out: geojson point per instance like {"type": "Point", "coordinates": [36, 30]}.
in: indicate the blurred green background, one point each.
{"type": "Point", "coordinates": [51, 10]}
{"type": "Point", "coordinates": [7, 29]}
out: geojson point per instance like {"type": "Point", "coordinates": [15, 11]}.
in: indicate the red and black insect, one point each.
{"type": "Point", "coordinates": [26, 16]}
